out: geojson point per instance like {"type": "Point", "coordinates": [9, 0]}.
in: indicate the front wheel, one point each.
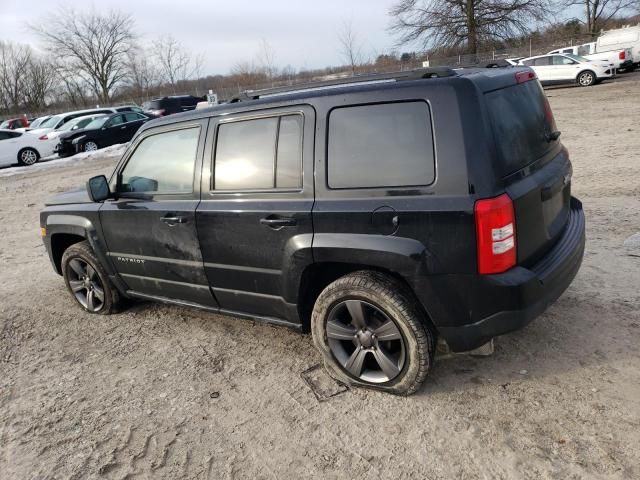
{"type": "Point", "coordinates": [586, 78]}
{"type": "Point", "coordinates": [87, 281]}
{"type": "Point", "coordinates": [90, 146]}
{"type": "Point", "coordinates": [28, 156]}
{"type": "Point", "coordinates": [372, 333]}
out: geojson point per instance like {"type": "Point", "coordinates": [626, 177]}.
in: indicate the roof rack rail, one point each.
{"type": "Point", "coordinates": [418, 74]}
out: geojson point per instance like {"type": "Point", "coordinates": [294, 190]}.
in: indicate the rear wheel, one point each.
{"type": "Point", "coordinates": [28, 156]}
{"type": "Point", "coordinates": [373, 334]}
{"type": "Point", "coordinates": [90, 146]}
{"type": "Point", "coordinates": [586, 78]}
{"type": "Point", "coordinates": [87, 281]}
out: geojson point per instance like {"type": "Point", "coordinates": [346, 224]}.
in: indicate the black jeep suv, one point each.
{"type": "Point", "coordinates": [379, 214]}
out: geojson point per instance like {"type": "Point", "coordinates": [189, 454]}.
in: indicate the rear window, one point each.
{"type": "Point", "coordinates": [521, 121]}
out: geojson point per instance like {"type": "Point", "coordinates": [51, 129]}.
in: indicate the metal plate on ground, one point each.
{"type": "Point", "coordinates": [322, 385]}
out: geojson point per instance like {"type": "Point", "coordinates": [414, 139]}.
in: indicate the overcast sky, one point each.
{"type": "Point", "coordinates": [302, 33]}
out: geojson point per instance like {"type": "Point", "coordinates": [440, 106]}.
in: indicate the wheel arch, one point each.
{"type": "Point", "coordinates": [60, 242]}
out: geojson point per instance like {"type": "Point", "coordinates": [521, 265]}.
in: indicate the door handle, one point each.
{"type": "Point", "coordinates": [173, 220]}
{"type": "Point", "coordinates": [122, 128]}
{"type": "Point", "coordinates": [278, 223]}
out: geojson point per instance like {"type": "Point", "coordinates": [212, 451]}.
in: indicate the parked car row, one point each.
{"type": "Point", "coordinates": [69, 133]}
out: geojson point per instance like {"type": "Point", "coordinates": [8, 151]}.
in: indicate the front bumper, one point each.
{"type": "Point", "coordinates": [509, 301]}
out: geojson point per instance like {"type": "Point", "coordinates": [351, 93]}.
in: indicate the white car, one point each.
{"type": "Point", "coordinates": [567, 68]}
{"type": "Point", "coordinates": [23, 148]}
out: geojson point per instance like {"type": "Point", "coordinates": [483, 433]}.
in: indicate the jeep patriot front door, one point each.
{"type": "Point", "coordinates": [150, 229]}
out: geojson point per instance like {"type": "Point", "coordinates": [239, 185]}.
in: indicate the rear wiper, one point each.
{"type": "Point", "coordinates": [552, 137]}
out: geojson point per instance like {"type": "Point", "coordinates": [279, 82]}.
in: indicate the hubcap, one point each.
{"type": "Point", "coordinates": [585, 79]}
{"type": "Point", "coordinates": [90, 147]}
{"type": "Point", "coordinates": [29, 157]}
{"type": "Point", "coordinates": [365, 341]}
{"type": "Point", "coordinates": [85, 284]}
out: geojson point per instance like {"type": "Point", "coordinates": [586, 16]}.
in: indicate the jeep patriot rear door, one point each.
{"type": "Point", "coordinates": [254, 220]}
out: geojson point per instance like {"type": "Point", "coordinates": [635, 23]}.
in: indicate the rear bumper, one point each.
{"type": "Point", "coordinates": [511, 300]}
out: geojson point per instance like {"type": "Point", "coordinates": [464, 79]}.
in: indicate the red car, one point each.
{"type": "Point", "coordinates": [14, 123]}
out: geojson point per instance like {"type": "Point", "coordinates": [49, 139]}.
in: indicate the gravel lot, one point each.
{"type": "Point", "coordinates": [167, 392]}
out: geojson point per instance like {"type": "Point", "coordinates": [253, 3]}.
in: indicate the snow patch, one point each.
{"type": "Point", "coordinates": [55, 161]}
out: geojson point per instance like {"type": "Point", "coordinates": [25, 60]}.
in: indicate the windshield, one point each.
{"type": "Point", "coordinates": [97, 123]}
{"type": "Point", "coordinates": [577, 58]}
{"type": "Point", "coordinates": [52, 122]}
{"type": "Point", "coordinates": [4, 124]}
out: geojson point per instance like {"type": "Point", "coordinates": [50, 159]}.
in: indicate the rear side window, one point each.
{"type": "Point", "coordinates": [263, 153]}
{"type": "Point", "coordinates": [542, 61]}
{"type": "Point", "coordinates": [521, 120]}
{"type": "Point", "coordinates": [383, 145]}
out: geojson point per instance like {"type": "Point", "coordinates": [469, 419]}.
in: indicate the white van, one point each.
{"type": "Point", "coordinates": [627, 37]}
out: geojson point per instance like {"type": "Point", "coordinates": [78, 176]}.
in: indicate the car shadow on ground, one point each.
{"type": "Point", "coordinates": [570, 336]}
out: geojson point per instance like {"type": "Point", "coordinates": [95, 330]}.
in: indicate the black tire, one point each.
{"type": "Point", "coordinates": [586, 78]}
{"type": "Point", "coordinates": [28, 156]}
{"type": "Point", "coordinates": [81, 253]}
{"type": "Point", "coordinates": [382, 295]}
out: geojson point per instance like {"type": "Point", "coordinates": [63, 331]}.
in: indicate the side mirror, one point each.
{"type": "Point", "coordinates": [98, 188]}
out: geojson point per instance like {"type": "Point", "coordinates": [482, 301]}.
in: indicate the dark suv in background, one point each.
{"type": "Point", "coordinates": [161, 107]}
{"type": "Point", "coordinates": [379, 214]}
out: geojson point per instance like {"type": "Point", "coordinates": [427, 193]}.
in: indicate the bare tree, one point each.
{"type": "Point", "coordinates": [267, 60]}
{"type": "Point", "coordinates": [41, 83]}
{"type": "Point", "coordinates": [350, 46]}
{"type": "Point", "coordinates": [599, 12]}
{"type": "Point", "coordinates": [464, 23]}
{"type": "Point", "coordinates": [142, 73]}
{"type": "Point", "coordinates": [176, 64]}
{"type": "Point", "coordinates": [15, 61]}
{"type": "Point", "coordinates": [94, 46]}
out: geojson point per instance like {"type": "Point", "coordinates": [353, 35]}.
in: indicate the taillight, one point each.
{"type": "Point", "coordinates": [621, 55]}
{"type": "Point", "coordinates": [495, 234]}
{"type": "Point", "coordinates": [522, 77]}
{"type": "Point", "coordinates": [43, 137]}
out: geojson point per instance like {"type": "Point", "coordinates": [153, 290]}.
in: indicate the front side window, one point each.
{"type": "Point", "coordinates": [162, 163]}
{"type": "Point", "coordinates": [117, 120]}
{"type": "Point", "coordinates": [560, 60]}
{"type": "Point", "coordinates": [264, 153]}
{"type": "Point", "coordinates": [132, 117]}
{"type": "Point", "coordinates": [386, 145]}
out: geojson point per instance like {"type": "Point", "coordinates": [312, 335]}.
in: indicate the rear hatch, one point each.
{"type": "Point", "coordinates": [533, 165]}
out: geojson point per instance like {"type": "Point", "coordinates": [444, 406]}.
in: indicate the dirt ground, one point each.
{"type": "Point", "coordinates": [166, 392]}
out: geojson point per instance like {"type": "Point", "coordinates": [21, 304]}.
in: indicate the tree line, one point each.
{"type": "Point", "coordinates": [98, 58]}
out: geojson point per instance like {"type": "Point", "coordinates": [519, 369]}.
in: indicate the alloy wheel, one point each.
{"type": "Point", "coordinates": [29, 157]}
{"type": "Point", "coordinates": [85, 284]}
{"type": "Point", "coordinates": [365, 341]}
{"type": "Point", "coordinates": [586, 79]}
{"type": "Point", "coordinates": [90, 147]}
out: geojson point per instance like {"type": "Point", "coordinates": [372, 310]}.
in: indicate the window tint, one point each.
{"type": "Point", "coordinates": [289, 158]}
{"type": "Point", "coordinates": [248, 156]}
{"type": "Point", "coordinates": [117, 120]}
{"type": "Point", "coordinates": [132, 117]}
{"type": "Point", "coordinates": [542, 61]}
{"type": "Point", "coordinates": [388, 145]}
{"type": "Point", "coordinates": [4, 135]}
{"type": "Point", "coordinates": [521, 120]}
{"type": "Point", "coordinates": [163, 163]}
{"type": "Point", "coordinates": [560, 60]}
